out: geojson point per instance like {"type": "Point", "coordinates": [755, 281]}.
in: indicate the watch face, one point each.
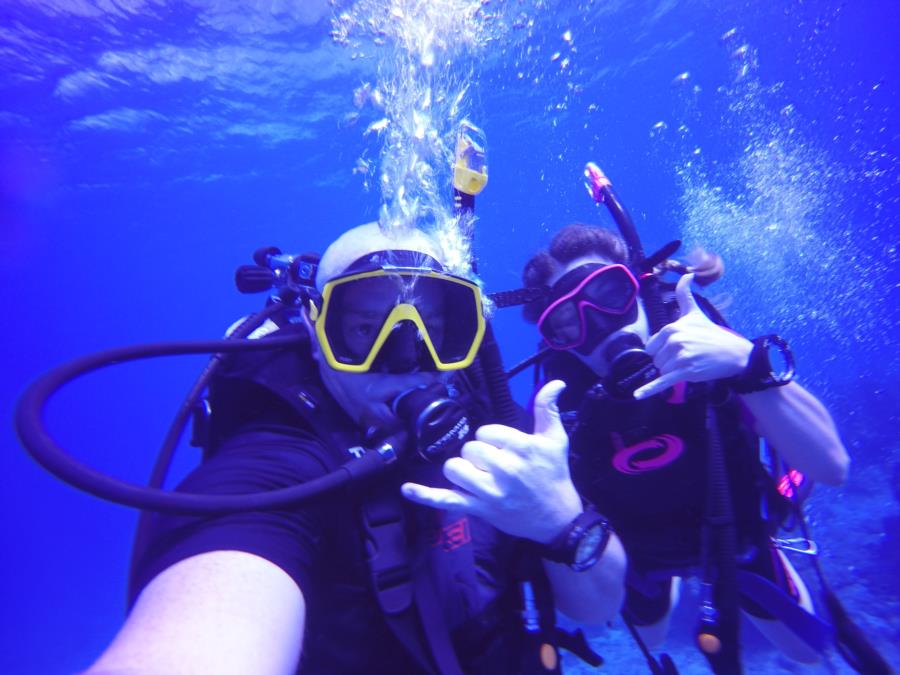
{"type": "Point", "coordinates": [587, 547]}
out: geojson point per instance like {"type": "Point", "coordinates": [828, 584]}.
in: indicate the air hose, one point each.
{"type": "Point", "coordinates": [41, 445]}
{"type": "Point", "coordinates": [718, 634]}
{"type": "Point", "coordinates": [505, 408]}
{"type": "Point", "coordinates": [849, 639]}
{"type": "Point", "coordinates": [176, 428]}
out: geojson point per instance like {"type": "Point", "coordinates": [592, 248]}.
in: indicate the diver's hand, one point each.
{"type": "Point", "coordinates": [693, 348]}
{"type": "Point", "coordinates": [517, 482]}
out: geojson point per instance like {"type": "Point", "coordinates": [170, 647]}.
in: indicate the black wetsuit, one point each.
{"type": "Point", "coordinates": [265, 444]}
{"type": "Point", "coordinates": [644, 465]}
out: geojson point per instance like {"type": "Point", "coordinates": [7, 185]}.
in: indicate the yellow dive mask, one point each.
{"type": "Point", "coordinates": [398, 311]}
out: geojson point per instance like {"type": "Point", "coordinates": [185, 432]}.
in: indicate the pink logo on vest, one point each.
{"type": "Point", "coordinates": [452, 536]}
{"type": "Point", "coordinates": [679, 393]}
{"type": "Point", "coordinates": [657, 452]}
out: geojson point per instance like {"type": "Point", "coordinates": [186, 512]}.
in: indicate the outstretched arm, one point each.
{"type": "Point", "coordinates": [520, 484]}
{"type": "Point", "coordinates": [225, 612]}
{"type": "Point", "coordinates": [694, 349]}
{"type": "Point", "coordinates": [799, 426]}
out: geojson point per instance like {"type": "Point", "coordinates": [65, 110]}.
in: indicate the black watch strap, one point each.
{"type": "Point", "coordinates": [582, 543]}
{"type": "Point", "coordinates": [759, 374]}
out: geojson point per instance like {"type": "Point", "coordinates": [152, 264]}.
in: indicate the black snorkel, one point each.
{"type": "Point", "coordinates": [469, 179]}
{"type": "Point", "coordinates": [629, 366]}
{"type": "Point", "coordinates": [601, 190]}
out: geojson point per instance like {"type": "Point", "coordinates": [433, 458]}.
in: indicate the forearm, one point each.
{"type": "Point", "coordinates": [593, 596]}
{"type": "Point", "coordinates": [799, 426]}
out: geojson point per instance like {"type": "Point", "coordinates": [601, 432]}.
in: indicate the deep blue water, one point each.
{"type": "Point", "coordinates": [147, 148]}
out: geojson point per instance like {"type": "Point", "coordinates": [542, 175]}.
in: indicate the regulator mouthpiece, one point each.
{"type": "Point", "coordinates": [437, 425]}
{"type": "Point", "coordinates": [630, 366]}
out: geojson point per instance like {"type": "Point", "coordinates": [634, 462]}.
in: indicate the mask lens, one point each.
{"type": "Point", "coordinates": [358, 310]}
{"type": "Point", "coordinates": [450, 312]}
{"type": "Point", "coordinates": [612, 290]}
{"type": "Point", "coordinates": [608, 289]}
{"type": "Point", "coordinates": [562, 326]}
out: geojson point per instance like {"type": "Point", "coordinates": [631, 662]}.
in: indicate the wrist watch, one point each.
{"type": "Point", "coordinates": [582, 543]}
{"type": "Point", "coordinates": [759, 374]}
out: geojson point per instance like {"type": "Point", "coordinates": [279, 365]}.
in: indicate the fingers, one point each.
{"type": "Point", "coordinates": [462, 473]}
{"type": "Point", "coordinates": [659, 384]}
{"type": "Point", "coordinates": [658, 340]}
{"type": "Point", "coordinates": [690, 320]}
{"type": "Point", "coordinates": [499, 461]}
{"type": "Point", "coordinates": [686, 301]}
{"type": "Point", "coordinates": [439, 498]}
{"type": "Point", "coordinates": [547, 422]}
{"type": "Point", "coordinates": [666, 359]}
{"type": "Point", "coordinates": [505, 452]}
{"type": "Point", "coordinates": [501, 436]}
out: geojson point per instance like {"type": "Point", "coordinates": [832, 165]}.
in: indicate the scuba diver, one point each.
{"type": "Point", "coordinates": [637, 403]}
{"type": "Point", "coordinates": [665, 409]}
{"type": "Point", "coordinates": [359, 580]}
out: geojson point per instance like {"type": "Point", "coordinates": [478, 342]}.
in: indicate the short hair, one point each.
{"type": "Point", "coordinates": [570, 243]}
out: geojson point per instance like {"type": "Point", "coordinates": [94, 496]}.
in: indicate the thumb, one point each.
{"type": "Point", "coordinates": [546, 412]}
{"type": "Point", "coordinates": [686, 301]}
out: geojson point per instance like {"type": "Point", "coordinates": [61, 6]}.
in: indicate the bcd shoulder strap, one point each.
{"type": "Point", "coordinates": [403, 586]}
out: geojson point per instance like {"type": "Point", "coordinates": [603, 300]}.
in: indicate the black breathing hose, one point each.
{"type": "Point", "coordinates": [505, 408]}
{"type": "Point", "coordinates": [41, 445]}
{"type": "Point", "coordinates": [722, 539]}
{"type": "Point", "coordinates": [176, 428]}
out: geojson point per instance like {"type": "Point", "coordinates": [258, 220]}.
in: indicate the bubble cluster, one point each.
{"type": "Point", "coordinates": [424, 51]}
{"type": "Point", "coordinates": [777, 214]}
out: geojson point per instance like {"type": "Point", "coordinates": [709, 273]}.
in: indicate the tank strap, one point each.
{"type": "Point", "coordinates": [544, 636]}
{"type": "Point", "coordinates": [404, 590]}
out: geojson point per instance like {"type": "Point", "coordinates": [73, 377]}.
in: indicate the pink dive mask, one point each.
{"type": "Point", "coordinates": [609, 290]}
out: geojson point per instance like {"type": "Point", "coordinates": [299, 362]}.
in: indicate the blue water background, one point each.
{"type": "Point", "coordinates": [146, 150]}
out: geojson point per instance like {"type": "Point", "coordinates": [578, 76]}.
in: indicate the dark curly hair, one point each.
{"type": "Point", "coordinates": [570, 243]}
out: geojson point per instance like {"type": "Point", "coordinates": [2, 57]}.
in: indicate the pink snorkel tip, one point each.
{"type": "Point", "coordinates": [595, 181]}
